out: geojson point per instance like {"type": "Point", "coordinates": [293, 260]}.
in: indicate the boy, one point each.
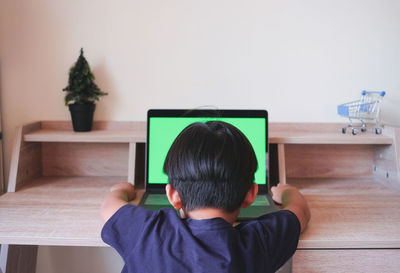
{"type": "Point", "coordinates": [210, 168]}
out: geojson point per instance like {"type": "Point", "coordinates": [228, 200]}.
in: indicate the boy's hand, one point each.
{"type": "Point", "coordinates": [291, 199]}
{"type": "Point", "coordinates": [127, 187]}
{"type": "Point", "coordinates": [120, 194]}
{"type": "Point", "coordinates": [277, 192]}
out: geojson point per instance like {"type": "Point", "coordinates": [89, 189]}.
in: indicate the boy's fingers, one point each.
{"type": "Point", "coordinates": [275, 195]}
{"type": "Point", "coordinates": [277, 200]}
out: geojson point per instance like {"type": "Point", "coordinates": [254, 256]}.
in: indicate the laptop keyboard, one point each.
{"type": "Point", "coordinates": [161, 199]}
{"type": "Point", "coordinates": [261, 200]}
{"type": "Point", "coordinates": [156, 199]}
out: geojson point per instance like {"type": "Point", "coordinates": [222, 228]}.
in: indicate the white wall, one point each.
{"type": "Point", "coordinates": [298, 59]}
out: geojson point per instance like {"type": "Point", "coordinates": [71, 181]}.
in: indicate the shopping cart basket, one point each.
{"type": "Point", "coordinates": [367, 108]}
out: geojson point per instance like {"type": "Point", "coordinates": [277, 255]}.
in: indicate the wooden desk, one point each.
{"type": "Point", "coordinates": [58, 179]}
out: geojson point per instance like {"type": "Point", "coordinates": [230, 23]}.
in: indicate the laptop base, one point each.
{"type": "Point", "coordinates": [262, 205]}
{"type": "Point", "coordinates": [155, 201]}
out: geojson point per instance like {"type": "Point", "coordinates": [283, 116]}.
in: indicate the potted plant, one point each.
{"type": "Point", "coordinates": [81, 95]}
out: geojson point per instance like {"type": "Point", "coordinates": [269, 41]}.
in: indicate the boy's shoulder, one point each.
{"type": "Point", "coordinates": [165, 220]}
{"type": "Point", "coordinates": [271, 222]}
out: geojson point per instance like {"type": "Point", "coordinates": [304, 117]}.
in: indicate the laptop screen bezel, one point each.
{"type": "Point", "coordinates": [160, 188]}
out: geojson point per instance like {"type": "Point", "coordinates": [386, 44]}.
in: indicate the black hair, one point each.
{"type": "Point", "coordinates": [211, 164]}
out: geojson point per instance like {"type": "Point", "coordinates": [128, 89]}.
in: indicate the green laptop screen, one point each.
{"type": "Point", "coordinates": [164, 130]}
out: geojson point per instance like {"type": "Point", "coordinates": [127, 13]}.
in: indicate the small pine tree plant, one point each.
{"type": "Point", "coordinates": [81, 88]}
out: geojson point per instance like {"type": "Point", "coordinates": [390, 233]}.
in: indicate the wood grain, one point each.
{"type": "Point", "coordinates": [324, 138]}
{"type": "Point", "coordinates": [85, 159]}
{"type": "Point", "coordinates": [1, 169]}
{"type": "Point", "coordinates": [386, 167]}
{"type": "Point", "coordinates": [102, 131]}
{"type": "Point", "coordinates": [282, 163]}
{"type": "Point", "coordinates": [66, 125]}
{"type": "Point", "coordinates": [346, 213]}
{"type": "Point", "coordinates": [331, 160]}
{"type": "Point", "coordinates": [25, 162]}
{"type": "Point", "coordinates": [101, 136]}
{"type": "Point", "coordinates": [322, 133]}
{"type": "Point", "coordinates": [397, 146]}
{"type": "Point", "coordinates": [344, 261]}
{"type": "Point", "coordinates": [319, 127]}
{"type": "Point", "coordinates": [61, 208]}
{"type": "Point", "coordinates": [387, 162]}
{"type": "Point", "coordinates": [306, 127]}
{"type": "Point", "coordinates": [132, 163]}
{"type": "Point", "coordinates": [350, 213]}
{"type": "Point", "coordinates": [290, 133]}
{"type": "Point", "coordinates": [60, 211]}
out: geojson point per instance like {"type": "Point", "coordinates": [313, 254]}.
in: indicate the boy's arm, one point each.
{"type": "Point", "coordinates": [291, 199]}
{"type": "Point", "coordinates": [119, 195]}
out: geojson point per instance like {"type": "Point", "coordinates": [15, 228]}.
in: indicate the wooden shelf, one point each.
{"type": "Point", "coordinates": [99, 136]}
{"type": "Point", "coordinates": [346, 213]}
{"type": "Point", "coordinates": [324, 133]}
{"type": "Point", "coordinates": [327, 138]}
{"type": "Point", "coordinates": [127, 136]}
{"type": "Point", "coordinates": [102, 132]}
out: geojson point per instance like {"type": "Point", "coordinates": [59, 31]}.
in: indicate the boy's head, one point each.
{"type": "Point", "coordinates": [211, 165]}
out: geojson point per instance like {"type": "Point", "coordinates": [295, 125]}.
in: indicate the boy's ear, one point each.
{"type": "Point", "coordinates": [250, 196]}
{"type": "Point", "coordinates": [173, 197]}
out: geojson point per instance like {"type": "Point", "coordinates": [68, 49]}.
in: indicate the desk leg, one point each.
{"type": "Point", "coordinates": [281, 163]}
{"type": "Point", "coordinates": [18, 258]}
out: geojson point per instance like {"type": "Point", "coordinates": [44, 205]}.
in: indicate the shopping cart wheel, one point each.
{"type": "Point", "coordinates": [344, 130]}
{"type": "Point", "coordinates": [378, 131]}
{"type": "Point", "coordinates": [363, 128]}
{"type": "Point", "coordinates": [354, 131]}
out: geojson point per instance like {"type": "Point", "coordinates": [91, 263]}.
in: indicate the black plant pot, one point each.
{"type": "Point", "coordinates": [82, 116]}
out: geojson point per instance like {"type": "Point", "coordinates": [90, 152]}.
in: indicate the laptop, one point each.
{"type": "Point", "coordinates": [163, 126]}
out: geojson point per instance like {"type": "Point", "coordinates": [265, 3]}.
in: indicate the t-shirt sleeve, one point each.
{"type": "Point", "coordinates": [124, 228]}
{"type": "Point", "coordinates": [282, 230]}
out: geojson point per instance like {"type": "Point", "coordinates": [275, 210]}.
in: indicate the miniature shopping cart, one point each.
{"type": "Point", "coordinates": [367, 108]}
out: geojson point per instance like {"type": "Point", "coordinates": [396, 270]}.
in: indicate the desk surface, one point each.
{"type": "Point", "coordinates": [346, 213]}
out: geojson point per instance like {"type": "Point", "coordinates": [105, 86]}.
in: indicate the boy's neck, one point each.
{"type": "Point", "coordinates": [209, 213]}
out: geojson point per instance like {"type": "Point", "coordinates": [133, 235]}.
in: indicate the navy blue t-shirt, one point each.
{"type": "Point", "coordinates": [160, 241]}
